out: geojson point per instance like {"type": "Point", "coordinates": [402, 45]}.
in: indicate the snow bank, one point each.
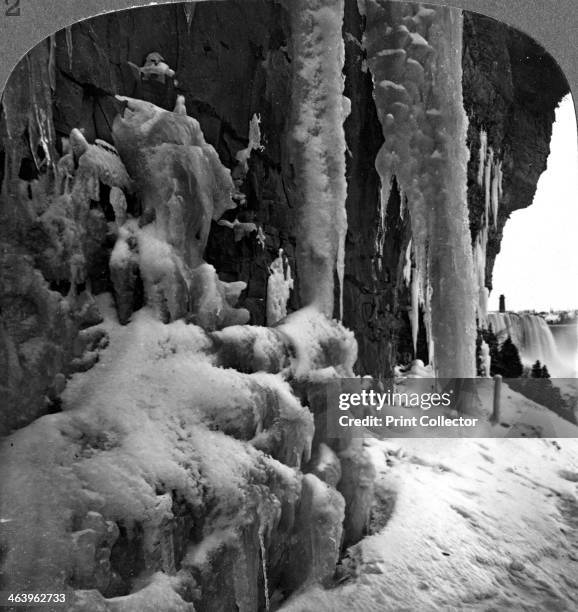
{"type": "Point", "coordinates": [160, 455]}
{"type": "Point", "coordinates": [464, 524]}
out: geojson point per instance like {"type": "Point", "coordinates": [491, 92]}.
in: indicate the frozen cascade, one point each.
{"type": "Point", "coordinates": [490, 177]}
{"type": "Point", "coordinates": [532, 336]}
{"type": "Point", "coordinates": [414, 54]}
{"type": "Point", "coordinates": [279, 286]}
{"type": "Point", "coordinates": [318, 147]}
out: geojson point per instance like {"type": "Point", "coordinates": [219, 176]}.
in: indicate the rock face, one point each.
{"type": "Point", "coordinates": [511, 90]}
{"type": "Point", "coordinates": [130, 166]}
{"type": "Point", "coordinates": [226, 74]}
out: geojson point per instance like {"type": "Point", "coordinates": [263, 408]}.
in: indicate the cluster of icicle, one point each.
{"type": "Point", "coordinates": [414, 55]}
{"type": "Point", "coordinates": [490, 180]}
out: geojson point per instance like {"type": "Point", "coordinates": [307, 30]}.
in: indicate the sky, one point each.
{"type": "Point", "coordinates": [537, 267]}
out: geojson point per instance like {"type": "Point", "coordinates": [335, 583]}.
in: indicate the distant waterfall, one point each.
{"type": "Point", "coordinates": [531, 335]}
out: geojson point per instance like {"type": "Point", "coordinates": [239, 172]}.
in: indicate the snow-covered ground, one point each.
{"type": "Point", "coordinates": [477, 524]}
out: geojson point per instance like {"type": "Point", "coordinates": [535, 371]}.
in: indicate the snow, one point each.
{"type": "Point", "coordinates": [318, 147]}
{"type": "Point", "coordinates": [319, 342]}
{"type": "Point", "coordinates": [485, 359]}
{"type": "Point", "coordinates": [137, 426]}
{"type": "Point", "coordinates": [476, 524]}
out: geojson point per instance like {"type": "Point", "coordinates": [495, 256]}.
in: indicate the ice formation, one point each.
{"type": "Point", "coordinates": [479, 256]}
{"type": "Point", "coordinates": [28, 111]}
{"type": "Point", "coordinates": [190, 467]}
{"type": "Point", "coordinates": [318, 147]}
{"type": "Point", "coordinates": [485, 359]}
{"type": "Point", "coordinates": [240, 228]}
{"type": "Point", "coordinates": [279, 286]}
{"type": "Point", "coordinates": [490, 178]}
{"type": "Point", "coordinates": [156, 67]}
{"type": "Point", "coordinates": [254, 143]}
{"type": "Point", "coordinates": [196, 469]}
{"type": "Point", "coordinates": [183, 186]}
{"type": "Point", "coordinates": [414, 55]}
{"type": "Point", "coordinates": [189, 9]}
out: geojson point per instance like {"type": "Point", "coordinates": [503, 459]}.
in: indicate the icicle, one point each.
{"type": "Point", "coordinates": [418, 96]}
{"type": "Point", "coordinates": [485, 359]}
{"type": "Point", "coordinates": [488, 183]}
{"type": "Point", "coordinates": [494, 200]}
{"type": "Point", "coordinates": [279, 286]}
{"type": "Point", "coordinates": [407, 265]}
{"type": "Point", "coordinates": [496, 191]}
{"type": "Point", "coordinates": [483, 315]}
{"type": "Point", "coordinates": [264, 565]}
{"type": "Point", "coordinates": [482, 156]}
{"type": "Point", "coordinates": [69, 48]}
{"type": "Point", "coordinates": [318, 146]}
{"type": "Point", "coordinates": [414, 310]}
{"type": "Point", "coordinates": [500, 179]}
{"type": "Point", "coordinates": [189, 8]}
{"type": "Point", "coordinates": [254, 143]}
{"type": "Point", "coordinates": [261, 238]}
{"type": "Point", "coordinates": [479, 253]}
{"type": "Point", "coordinates": [52, 63]}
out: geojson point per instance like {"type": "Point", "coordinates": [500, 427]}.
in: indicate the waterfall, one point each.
{"type": "Point", "coordinates": [531, 335]}
{"type": "Point", "coordinates": [414, 54]}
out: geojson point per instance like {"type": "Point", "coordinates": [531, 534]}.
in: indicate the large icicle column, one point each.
{"type": "Point", "coordinates": [318, 147]}
{"type": "Point", "coordinates": [414, 53]}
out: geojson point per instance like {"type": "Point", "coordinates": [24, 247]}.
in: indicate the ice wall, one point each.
{"type": "Point", "coordinates": [414, 55]}
{"type": "Point", "coordinates": [317, 144]}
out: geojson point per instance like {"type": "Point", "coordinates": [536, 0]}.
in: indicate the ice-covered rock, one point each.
{"type": "Point", "coordinates": [182, 186]}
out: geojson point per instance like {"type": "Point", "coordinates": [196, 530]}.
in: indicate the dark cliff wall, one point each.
{"type": "Point", "coordinates": [511, 89]}
{"type": "Point", "coordinates": [231, 61]}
